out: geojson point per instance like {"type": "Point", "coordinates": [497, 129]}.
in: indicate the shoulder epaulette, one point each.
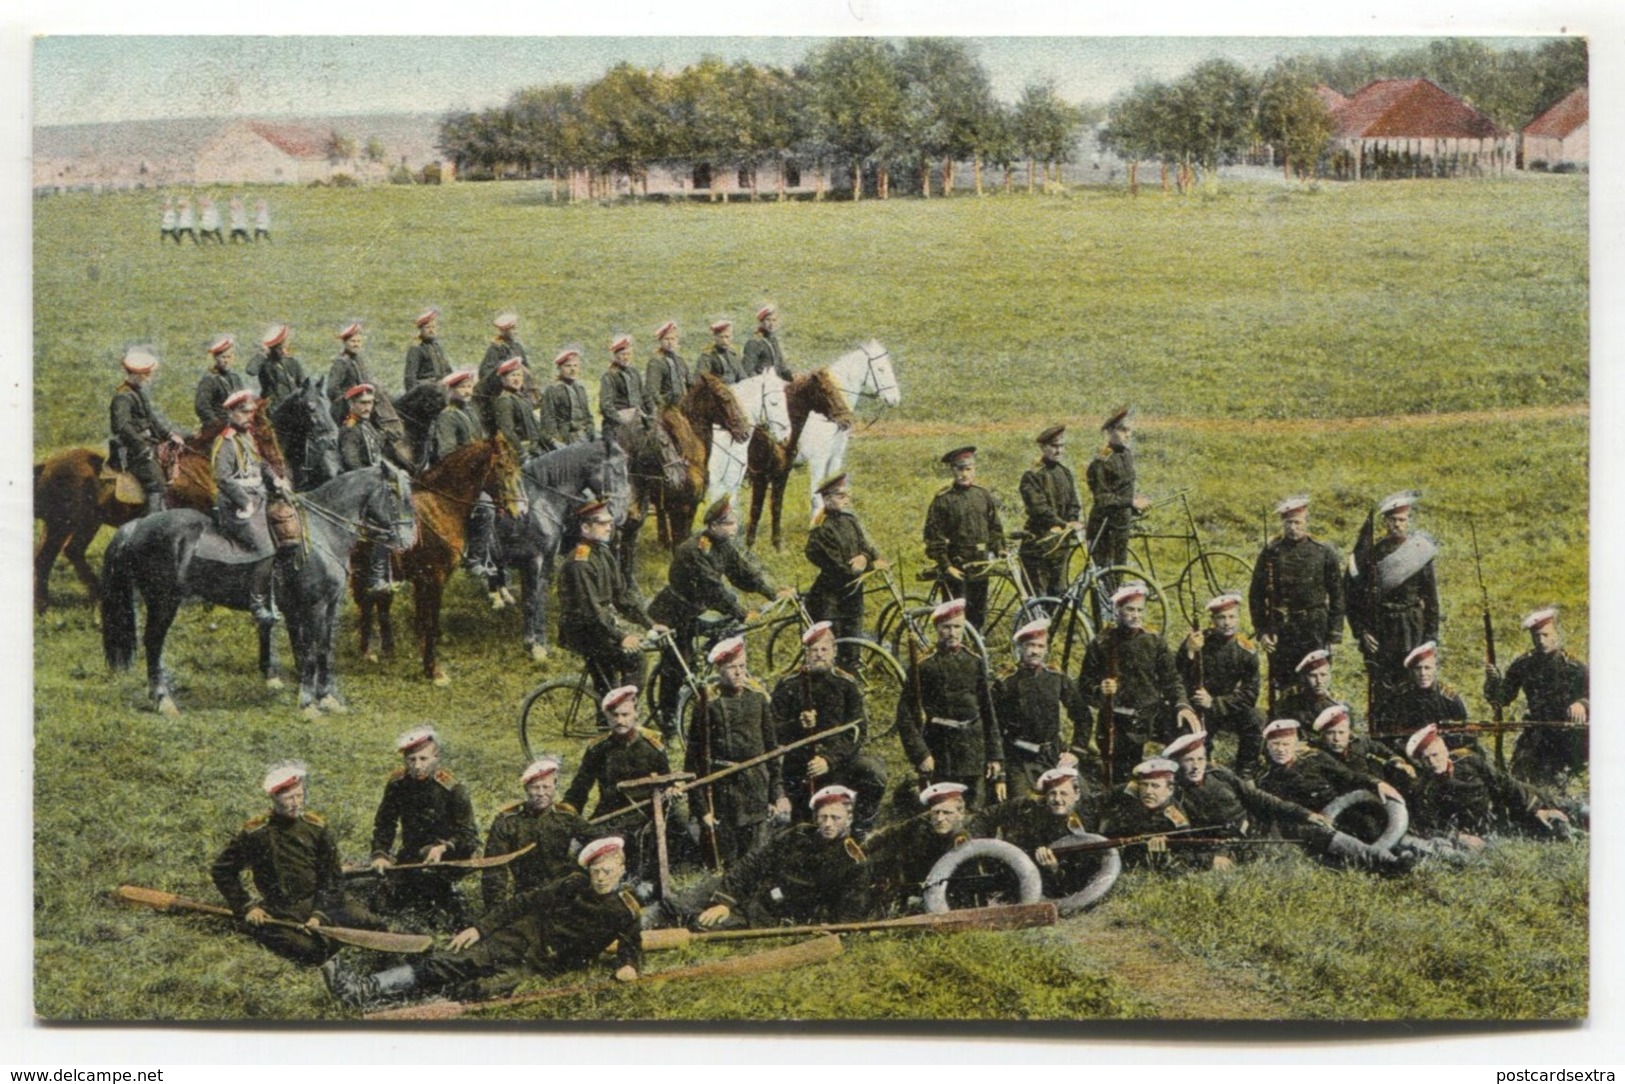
{"type": "Point", "coordinates": [945, 489]}
{"type": "Point", "coordinates": [653, 737]}
{"type": "Point", "coordinates": [1052, 668]}
{"type": "Point", "coordinates": [1246, 644]}
{"type": "Point", "coordinates": [1151, 629]}
{"type": "Point", "coordinates": [227, 433]}
{"type": "Point", "coordinates": [445, 779]}
{"type": "Point", "coordinates": [819, 518]}
{"type": "Point", "coordinates": [1177, 816]}
{"type": "Point", "coordinates": [753, 684]}
{"type": "Point", "coordinates": [256, 823]}
{"type": "Point", "coordinates": [837, 670]}
{"type": "Point", "coordinates": [631, 902]}
{"type": "Point", "coordinates": [511, 807]}
{"type": "Point", "coordinates": [566, 807]}
{"type": "Point", "coordinates": [583, 551]}
{"type": "Point", "coordinates": [599, 740]}
{"type": "Point", "coordinates": [704, 543]}
{"type": "Point", "coordinates": [1445, 690]}
{"type": "Point", "coordinates": [398, 773]}
{"type": "Point", "coordinates": [315, 818]}
{"type": "Point", "coordinates": [1005, 671]}
{"type": "Point", "coordinates": [853, 849]}
{"type": "Point", "coordinates": [1104, 453]}
{"type": "Point", "coordinates": [1460, 754]}
{"type": "Point", "coordinates": [350, 421]}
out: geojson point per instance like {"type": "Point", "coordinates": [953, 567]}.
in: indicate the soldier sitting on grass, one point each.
{"type": "Point", "coordinates": [1465, 798]}
{"type": "Point", "coordinates": [554, 827]}
{"type": "Point", "coordinates": [435, 819]}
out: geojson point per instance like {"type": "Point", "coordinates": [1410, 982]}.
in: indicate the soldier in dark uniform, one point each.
{"type": "Point", "coordinates": [554, 827]}
{"type": "Point", "coordinates": [218, 383]}
{"type": "Point", "coordinates": [720, 358]}
{"type": "Point", "coordinates": [806, 873]}
{"type": "Point", "coordinates": [621, 400]}
{"type": "Point", "coordinates": [945, 713]}
{"type": "Point", "coordinates": [504, 345]}
{"type": "Point", "coordinates": [1313, 692]}
{"type": "Point", "coordinates": [1152, 804]}
{"type": "Point", "coordinates": [1054, 515]}
{"type": "Point", "coordinates": [566, 416]}
{"type": "Point", "coordinates": [1296, 597]}
{"type": "Point", "coordinates": [511, 411]}
{"type": "Point", "coordinates": [138, 427]}
{"type": "Point", "coordinates": [1335, 737]}
{"type": "Point", "coordinates": [962, 525]}
{"type": "Point", "coordinates": [1220, 668]}
{"type": "Point", "coordinates": [1393, 599]}
{"type": "Point", "coordinates": [628, 751]}
{"type": "Point", "coordinates": [242, 479]}
{"type": "Point", "coordinates": [1309, 777]}
{"type": "Point", "coordinates": [294, 863]}
{"type": "Point", "coordinates": [1424, 699]}
{"type": "Point", "coordinates": [359, 442]}
{"type": "Point", "coordinates": [456, 425]}
{"type": "Point", "coordinates": [425, 359]}
{"type": "Point", "coordinates": [1460, 794]}
{"type": "Point", "coordinates": [667, 375]}
{"type": "Point", "coordinates": [279, 372]}
{"type": "Point", "coordinates": [1114, 504]}
{"type": "Point", "coordinates": [1131, 683]}
{"type": "Point", "coordinates": [350, 369]}
{"type": "Point", "coordinates": [701, 569]}
{"type": "Point", "coordinates": [763, 351]}
{"type": "Point", "coordinates": [901, 855]}
{"type": "Point", "coordinates": [1057, 807]}
{"type": "Point", "coordinates": [561, 926]}
{"type": "Point", "coordinates": [736, 725]}
{"type": "Point", "coordinates": [1232, 805]}
{"type": "Point", "coordinates": [817, 698]}
{"type": "Point", "coordinates": [1028, 702]}
{"type": "Point", "coordinates": [435, 820]}
{"type": "Point", "coordinates": [595, 601]}
{"type": "Point", "coordinates": [842, 552]}
{"type": "Point", "coordinates": [1556, 689]}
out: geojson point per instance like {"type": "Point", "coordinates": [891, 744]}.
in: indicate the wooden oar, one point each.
{"type": "Point", "coordinates": [455, 863]}
{"type": "Point", "coordinates": [816, 951]}
{"type": "Point", "coordinates": [377, 940]}
{"type": "Point", "coordinates": [1013, 917]}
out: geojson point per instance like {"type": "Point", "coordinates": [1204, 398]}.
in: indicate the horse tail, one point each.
{"type": "Point", "coordinates": [118, 602]}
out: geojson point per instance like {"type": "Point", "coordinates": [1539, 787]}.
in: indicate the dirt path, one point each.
{"type": "Point", "coordinates": [888, 427]}
{"type": "Point", "coordinates": [1177, 984]}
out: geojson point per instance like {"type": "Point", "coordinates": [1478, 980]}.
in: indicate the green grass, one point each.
{"type": "Point", "coordinates": [1228, 319]}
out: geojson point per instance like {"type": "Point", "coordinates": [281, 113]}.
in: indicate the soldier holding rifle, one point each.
{"type": "Point", "coordinates": [550, 828]}
{"type": "Point", "coordinates": [1029, 701]}
{"type": "Point", "coordinates": [436, 823]}
{"type": "Point", "coordinates": [1296, 597]}
{"type": "Point", "coordinates": [1220, 668]}
{"type": "Point", "coordinates": [1393, 596]}
{"type": "Point", "coordinates": [1212, 795]}
{"type": "Point", "coordinates": [945, 715]}
{"type": "Point", "coordinates": [1555, 689]}
{"type": "Point", "coordinates": [1058, 807]}
{"type": "Point", "coordinates": [901, 855]}
{"type": "Point", "coordinates": [734, 724]}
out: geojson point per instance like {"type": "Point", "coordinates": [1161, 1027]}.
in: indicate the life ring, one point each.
{"type": "Point", "coordinates": [1399, 817]}
{"type": "Point", "coordinates": [1111, 864]}
{"type": "Point", "coordinates": [1026, 871]}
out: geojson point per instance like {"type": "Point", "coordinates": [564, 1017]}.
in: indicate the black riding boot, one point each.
{"type": "Point", "coordinates": [378, 581]}
{"type": "Point", "coordinates": [481, 531]}
{"type": "Point", "coordinates": [259, 592]}
{"type": "Point", "coordinates": [155, 502]}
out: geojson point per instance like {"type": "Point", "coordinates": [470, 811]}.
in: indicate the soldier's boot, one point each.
{"type": "Point", "coordinates": [379, 584]}
{"type": "Point", "coordinates": [155, 502]}
{"type": "Point", "coordinates": [1355, 852]}
{"type": "Point", "coordinates": [481, 530]}
{"type": "Point", "coordinates": [364, 991]}
{"type": "Point", "coordinates": [259, 592]}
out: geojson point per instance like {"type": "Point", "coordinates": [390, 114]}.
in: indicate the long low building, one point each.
{"type": "Point", "coordinates": [1414, 128]}
{"type": "Point", "coordinates": [1560, 137]}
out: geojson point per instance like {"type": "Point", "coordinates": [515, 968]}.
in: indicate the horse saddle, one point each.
{"type": "Point", "coordinates": [287, 528]}
{"type": "Point", "coordinates": [125, 488]}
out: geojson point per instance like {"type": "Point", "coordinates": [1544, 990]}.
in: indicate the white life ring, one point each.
{"type": "Point", "coordinates": [1026, 871]}
{"type": "Point", "coordinates": [1111, 864]}
{"type": "Point", "coordinates": [1399, 817]}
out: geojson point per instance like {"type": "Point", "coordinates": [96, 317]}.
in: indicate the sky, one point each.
{"type": "Point", "coordinates": [82, 79]}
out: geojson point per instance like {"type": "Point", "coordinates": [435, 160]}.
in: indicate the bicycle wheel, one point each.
{"type": "Point", "coordinates": [1206, 576]}
{"type": "Point", "coordinates": [1069, 629]}
{"type": "Point", "coordinates": [566, 706]}
{"type": "Point", "coordinates": [1004, 607]}
{"type": "Point", "coordinates": [925, 637]}
{"type": "Point", "coordinates": [889, 623]}
{"type": "Point", "coordinates": [687, 702]}
{"type": "Point", "coordinates": [880, 677]}
{"type": "Point", "coordinates": [783, 647]}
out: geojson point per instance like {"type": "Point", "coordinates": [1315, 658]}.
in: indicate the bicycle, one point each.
{"type": "Point", "coordinates": [908, 617]}
{"type": "Point", "coordinates": [1085, 607]}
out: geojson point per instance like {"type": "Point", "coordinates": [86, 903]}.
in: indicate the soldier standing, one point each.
{"type": "Point", "coordinates": [566, 417]}
{"type": "Point", "coordinates": [901, 855]}
{"type": "Point", "coordinates": [1054, 515]}
{"type": "Point", "coordinates": [667, 376]}
{"type": "Point", "coordinates": [1220, 668]}
{"type": "Point", "coordinates": [552, 829]}
{"type": "Point", "coordinates": [294, 863]}
{"type": "Point", "coordinates": [185, 220]}
{"type": "Point", "coordinates": [818, 698]}
{"type": "Point", "coordinates": [1556, 689]}
{"type": "Point", "coordinates": [1111, 479]}
{"type": "Point", "coordinates": [138, 427]}
{"type": "Point", "coordinates": [763, 352]}
{"type": "Point", "coordinates": [1130, 681]}
{"type": "Point", "coordinates": [435, 820]}
{"type": "Point", "coordinates": [945, 713]}
{"type": "Point", "coordinates": [512, 412]}
{"type": "Point", "coordinates": [1296, 597]}
{"type": "Point", "coordinates": [620, 391]}
{"type": "Point", "coordinates": [262, 220]}
{"type": "Point", "coordinates": [720, 359]}
{"type": "Point", "coordinates": [220, 381]}
{"type": "Point", "coordinates": [425, 359]}
{"type": "Point", "coordinates": [736, 725]}
{"type": "Point", "coordinates": [1393, 599]}
{"type": "Point", "coordinates": [1028, 702]}
{"type": "Point", "coordinates": [166, 223]}
{"type": "Point", "coordinates": [279, 371]}
{"type": "Point", "coordinates": [209, 221]}
{"type": "Point", "coordinates": [239, 221]}
{"type": "Point", "coordinates": [595, 601]}
{"type": "Point", "coordinates": [241, 479]}
{"type": "Point", "coordinates": [841, 550]}
{"type": "Point", "coordinates": [961, 526]}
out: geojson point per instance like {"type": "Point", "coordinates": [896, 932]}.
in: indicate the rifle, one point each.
{"type": "Point", "coordinates": [455, 863]}
{"type": "Point", "coordinates": [1269, 616]}
{"type": "Point", "coordinates": [709, 831]}
{"type": "Point", "coordinates": [1097, 846]}
{"type": "Point", "coordinates": [924, 779]}
{"type": "Point", "coordinates": [1497, 728]}
{"type": "Point", "coordinates": [807, 705]}
{"type": "Point", "coordinates": [377, 940]}
{"type": "Point", "coordinates": [1108, 714]}
{"type": "Point", "coordinates": [1000, 790]}
{"type": "Point", "coordinates": [1489, 643]}
{"type": "Point", "coordinates": [816, 951]}
{"type": "Point", "coordinates": [723, 773]}
{"type": "Point", "coordinates": [1013, 917]}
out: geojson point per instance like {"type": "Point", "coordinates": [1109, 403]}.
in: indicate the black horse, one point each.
{"type": "Point", "coordinates": [307, 434]}
{"type": "Point", "coordinates": [156, 556]}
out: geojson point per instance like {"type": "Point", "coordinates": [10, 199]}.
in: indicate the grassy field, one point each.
{"type": "Point", "coordinates": [1346, 342]}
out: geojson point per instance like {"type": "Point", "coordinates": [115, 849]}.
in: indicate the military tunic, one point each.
{"type": "Point", "coordinates": [346, 372]}
{"type": "Point", "coordinates": [566, 417]}
{"type": "Point", "coordinates": [241, 478]}
{"type": "Point", "coordinates": [695, 582]}
{"type": "Point", "coordinates": [359, 444]}
{"type": "Point", "coordinates": [294, 864]}
{"type": "Point", "coordinates": [1401, 618]}
{"type": "Point", "coordinates": [1549, 684]}
{"type": "Point", "coordinates": [594, 598]}
{"type": "Point", "coordinates": [722, 362]}
{"type": "Point", "coordinates": [620, 396]}
{"type": "Point", "coordinates": [1313, 779]}
{"type": "Point", "coordinates": [1127, 816]}
{"type": "Point", "coordinates": [1149, 694]}
{"type": "Point", "coordinates": [280, 375]}
{"type": "Point", "coordinates": [610, 760]}
{"type": "Point", "coordinates": [1027, 823]}
{"type": "Point", "coordinates": [1229, 672]}
{"type": "Point", "coordinates": [1111, 478]}
{"type": "Point", "coordinates": [801, 878]}
{"type": "Point", "coordinates": [667, 379]}
{"type": "Point", "coordinates": [426, 362]}
{"type": "Point", "coordinates": [1237, 807]}
{"type": "Point", "coordinates": [1296, 595]}
{"type": "Point", "coordinates": [499, 351]}
{"type": "Point", "coordinates": [1049, 492]}
{"type": "Point", "coordinates": [951, 720]}
{"type": "Point", "coordinates": [763, 352]}
{"type": "Point", "coordinates": [836, 595]}
{"type": "Point", "coordinates": [213, 389]}
{"type": "Point", "coordinates": [454, 427]}
{"type": "Point", "coordinates": [428, 812]}
{"type": "Point", "coordinates": [1410, 709]}
{"type": "Point", "coordinates": [514, 420]}
{"type": "Point", "coordinates": [737, 725]}
{"type": "Point", "coordinates": [138, 427]}
{"type": "Point", "coordinates": [554, 831]}
{"type": "Point", "coordinates": [1473, 796]}
{"type": "Point", "coordinates": [961, 526]}
{"type": "Point", "coordinates": [1028, 702]}
{"type": "Point", "coordinates": [901, 857]}
{"type": "Point", "coordinates": [837, 700]}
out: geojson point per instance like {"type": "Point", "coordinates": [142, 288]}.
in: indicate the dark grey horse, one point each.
{"type": "Point", "coordinates": [155, 555]}
{"type": "Point", "coordinates": [307, 434]}
{"type": "Point", "coordinates": [556, 484]}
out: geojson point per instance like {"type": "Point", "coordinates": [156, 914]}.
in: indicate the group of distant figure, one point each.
{"type": "Point", "coordinates": [181, 219]}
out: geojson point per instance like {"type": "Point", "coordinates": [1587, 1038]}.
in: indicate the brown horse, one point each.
{"type": "Point", "coordinates": [441, 497]}
{"type": "Point", "coordinates": [769, 461]}
{"type": "Point", "coordinates": [74, 502]}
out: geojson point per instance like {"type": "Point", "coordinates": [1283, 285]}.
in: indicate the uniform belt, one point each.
{"type": "Point", "coordinates": [951, 724]}
{"type": "Point", "coordinates": [1288, 612]}
{"type": "Point", "coordinates": [1399, 607]}
{"type": "Point", "coordinates": [1028, 747]}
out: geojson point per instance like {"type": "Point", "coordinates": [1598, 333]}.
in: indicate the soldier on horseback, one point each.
{"type": "Point", "coordinates": [763, 352]}
{"type": "Point", "coordinates": [350, 369]}
{"type": "Point", "coordinates": [279, 371]}
{"type": "Point", "coordinates": [426, 359]}
{"type": "Point", "coordinates": [138, 427]}
{"type": "Point", "coordinates": [720, 358]}
{"type": "Point", "coordinates": [219, 382]}
{"type": "Point", "coordinates": [620, 393]}
{"type": "Point", "coordinates": [455, 426]}
{"type": "Point", "coordinates": [241, 478]}
{"type": "Point", "coordinates": [511, 411]}
{"type": "Point", "coordinates": [667, 377]}
{"type": "Point", "coordinates": [566, 416]}
{"type": "Point", "coordinates": [361, 445]}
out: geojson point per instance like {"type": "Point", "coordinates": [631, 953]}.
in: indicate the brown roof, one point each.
{"type": "Point", "coordinates": [293, 141]}
{"type": "Point", "coordinates": [1411, 109]}
{"type": "Point", "coordinates": [1330, 97]}
{"type": "Point", "coordinates": [1562, 119]}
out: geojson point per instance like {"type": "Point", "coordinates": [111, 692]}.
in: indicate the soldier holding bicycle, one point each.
{"type": "Point", "coordinates": [962, 526]}
{"type": "Point", "coordinates": [842, 552]}
{"type": "Point", "coordinates": [1049, 491]}
{"type": "Point", "coordinates": [595, 603]}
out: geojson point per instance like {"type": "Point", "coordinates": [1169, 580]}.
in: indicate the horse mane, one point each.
{"type": "Point", "coordinates": [817, 390]}
{"type": "Point", "coordinates": [456, 462]}
{"type": "Point", "coordinates": [709, 384]}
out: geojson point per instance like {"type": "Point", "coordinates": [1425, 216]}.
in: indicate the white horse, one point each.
{"type": "Point", "coordinates": [763, 401]}
{"type": "Point", "coordinates": [864, 373]}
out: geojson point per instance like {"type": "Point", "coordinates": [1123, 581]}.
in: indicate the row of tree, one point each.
{"type": "Point", "coordinates": [860, 105]}
{"type": "Point", "coordinates": [1220, 112]}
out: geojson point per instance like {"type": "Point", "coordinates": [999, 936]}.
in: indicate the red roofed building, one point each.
{"type": "Point", "coordinates": [1412, 128]}
{"type": "Point", "coordinates": [1562, 134]}
{"type": "Point", "coordinates": [1330, 97]}
{"type": "Point", "coordinates": [254, 152]}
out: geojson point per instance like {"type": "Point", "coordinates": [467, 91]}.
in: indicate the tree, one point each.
{"type": "Point", "coordinates": [340, 147]}
{"type": "Point", "coordinates": [947, 102]}
{"type": "Point", "coordinates": [374, 149]}
{"type": "Point", "coordinates": [1046, 128]}
{"type": "Point", "coordinates": [857, 104]}
{"type": "Point", "coordinates": [1292, 116]}
{"type": "Point", "coordinates": [628, 121]}
{"type": "Point", "coordinates": [711, 122]}
{"type": "Point", "coordinates": [1214, 115]}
